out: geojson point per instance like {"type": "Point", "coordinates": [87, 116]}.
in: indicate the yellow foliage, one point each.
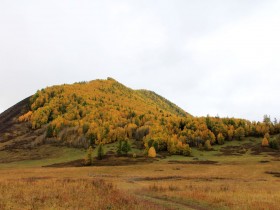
{"type": "Point", "coordinates": [265, 142]}
{"type": "Point", "coordinates": [107, 111]}
{"type": "Point", "coordinates": [26, 117]}
{"type": "Point", "coordinates": [207, 145]}
{"type": "Point", "coordinates": [220, 138]}
{"type": "Point", "coordinates": [267, 136]}
{"type": "Point", "coordinates": [179, 144]}
{"type": "Point", "coordinates": [152, 152]}
{"type": "Point", "coordinates": [230, 132]}
{"type": "Point", "coordinates": [40, 117]}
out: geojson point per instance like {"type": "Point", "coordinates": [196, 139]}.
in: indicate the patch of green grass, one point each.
{"type": "Point", "coordinates": [47, 154]}
{"type": "Point", "coordinates": [112, 147]}
{"type": "Point", "coordinates": [57, 155]}
{"type": "Point", "coordinates": [217, 155]}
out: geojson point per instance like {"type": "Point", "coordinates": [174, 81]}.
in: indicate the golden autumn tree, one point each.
{"type": "Point", "coordinates": [265, 142]}
{"type": "Point", "coordinates": [220, 139]}
{"type": "Point", "coordinates": [230, 132]}
{"type": "Point", "coordinates": [267, 136]}
{"type": "Point", "coordinates": [239, 133]}
{"type": "Point", "coordinates": [26, 117]}
{"type": "Point", "coordinates": [207, 145]}
{"type": "Point", "coordinates": [152, 152]}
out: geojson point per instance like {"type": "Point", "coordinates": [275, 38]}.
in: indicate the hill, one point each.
{"type": "Point", "coordinates": [105, 111]}
{"type": "Point", "coordinates": [84, 113]}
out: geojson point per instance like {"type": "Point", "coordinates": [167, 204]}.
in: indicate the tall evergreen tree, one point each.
{"type": "Point", "coordinates": [100, 151]}
{"type": "Point", "coordinates": [89, 156]}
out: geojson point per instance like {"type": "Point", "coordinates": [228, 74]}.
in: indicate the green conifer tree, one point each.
{"type": "Point", "coordinates": [100, 151]}
{"type": "Point", "coordinates": [89, 156]}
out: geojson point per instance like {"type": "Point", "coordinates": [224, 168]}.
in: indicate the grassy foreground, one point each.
{"type": "Point", "coordinates": [231, 177]}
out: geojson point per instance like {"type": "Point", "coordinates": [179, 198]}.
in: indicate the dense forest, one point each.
{"type": "Point", "coordinates": [104, 111]}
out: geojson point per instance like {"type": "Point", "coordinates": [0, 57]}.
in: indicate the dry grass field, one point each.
{"type": "Point", "coordinates": [208, 180]}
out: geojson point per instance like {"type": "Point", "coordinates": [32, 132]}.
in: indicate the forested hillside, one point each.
{"type": "Point", "coordinates": [105, 111]}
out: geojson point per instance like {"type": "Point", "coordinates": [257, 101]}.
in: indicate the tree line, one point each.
{"type": "Point", "coordinates": [105, 111]}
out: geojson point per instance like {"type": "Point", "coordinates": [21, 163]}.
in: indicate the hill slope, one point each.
{"type": "Point", "coordinates": [105, 111]}
{"type": "Point", "coordinates": [10, 116]}
{"type": "Point", "coordinates": [86, 112]}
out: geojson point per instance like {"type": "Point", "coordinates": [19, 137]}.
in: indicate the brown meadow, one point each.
{"type": "Point", "coordinates": [158, 185]}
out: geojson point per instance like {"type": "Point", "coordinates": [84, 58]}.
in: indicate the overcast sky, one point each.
{"type": "Point", "coordinates": [208, 57]}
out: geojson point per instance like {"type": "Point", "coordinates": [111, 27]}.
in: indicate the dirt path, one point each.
{"type": "Point", "coordinates": [165, 202]}
{"type": "Point", "coordinates": [168, 203]}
